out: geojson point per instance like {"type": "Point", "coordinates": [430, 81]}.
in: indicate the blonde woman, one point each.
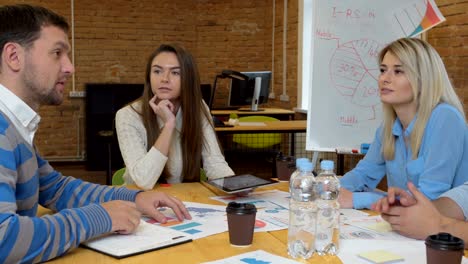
{"type": "Point", "coordinates": [167, 134]}
{"type": "Point", "coordinates": [424, 135]}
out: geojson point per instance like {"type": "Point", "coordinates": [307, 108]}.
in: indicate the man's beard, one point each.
{"type": "Point", "coordinates": [41, 95]}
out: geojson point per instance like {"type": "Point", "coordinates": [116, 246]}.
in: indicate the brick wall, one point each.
{"type": "Point", "coordinates": [450, 39]}
{"type": "Point", "coordinates": [114, 37]}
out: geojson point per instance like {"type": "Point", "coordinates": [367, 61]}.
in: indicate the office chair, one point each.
{"type": "Point", "coordinates": [117, 178]}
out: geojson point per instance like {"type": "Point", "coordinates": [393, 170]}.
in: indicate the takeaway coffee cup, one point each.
{"type": "Point", "coordinates": [444, 248]}
{"type": "Point", "coordinates": [241, 223]}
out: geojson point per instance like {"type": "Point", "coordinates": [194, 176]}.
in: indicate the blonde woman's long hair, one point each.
{"type": "Point", "coordinates": [430, 85]}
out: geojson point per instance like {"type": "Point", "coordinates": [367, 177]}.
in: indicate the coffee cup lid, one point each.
{"type": "Point", "coordinates": [240, 208]}
{"type": "Point", "coordinates": [444, 241]}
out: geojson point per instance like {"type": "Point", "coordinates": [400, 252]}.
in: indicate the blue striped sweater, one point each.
{"type": "Point", "coordinates": [27, 180]}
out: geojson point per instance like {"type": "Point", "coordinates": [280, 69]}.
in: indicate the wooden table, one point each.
{"type": "Point", "coordinates": [281, 114]}
{"type": "Point", "coordinates": [201, 250]}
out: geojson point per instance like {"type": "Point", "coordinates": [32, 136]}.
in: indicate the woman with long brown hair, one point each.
{"type": "Point", "coordinates": [167, 134]}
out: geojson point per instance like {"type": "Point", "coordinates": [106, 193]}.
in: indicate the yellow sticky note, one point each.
{"type": "Point", "coordinates": [381, 227]}
{"type": "Point", "coordinates": [381, 257]}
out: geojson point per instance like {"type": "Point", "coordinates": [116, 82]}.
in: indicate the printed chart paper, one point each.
{"type": "Point", "coordinates": [272, 208]}
{"type": "Point", "coordinates": [370, 227]}
{"type": "Point", "coordinates": [264, 199]}
{"type": "Point", "coordinates": [254, 257]}
{"type": "Point", "coordinates": [206, 220]}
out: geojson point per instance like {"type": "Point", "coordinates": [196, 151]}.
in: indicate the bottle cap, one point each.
{"type": "Point", "coordinates": [306, 166]}
{"type": "Point", "coordinates": [327, 165]}
{"type": "Point", "coordinates": [300, 160]}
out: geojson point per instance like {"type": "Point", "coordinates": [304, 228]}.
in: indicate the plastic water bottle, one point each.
{"type": "Point", "coordinates": [328, 214]}
{"type": "Point", "coordinates": [302, 213]}
{"type": "Point", "coordinates": [297, 171]}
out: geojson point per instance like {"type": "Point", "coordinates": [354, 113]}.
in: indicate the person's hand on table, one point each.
{"type": "Point", "coordinates": [415, 216]}
{"type": "Point", "coordinates": [124, 216]}
{"type": "Point", "coordinates": [345, 198]}
{"type": "Point", "coordinates": [148, 203]}
{"type": "Point", "coordinates": [395, 196]}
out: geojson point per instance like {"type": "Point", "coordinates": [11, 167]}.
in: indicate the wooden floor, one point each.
{"type": "Point", "coordinates": [78, 170]}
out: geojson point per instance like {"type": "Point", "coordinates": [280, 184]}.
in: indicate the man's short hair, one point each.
{"type": "Point", "coordinates": [22, 23]}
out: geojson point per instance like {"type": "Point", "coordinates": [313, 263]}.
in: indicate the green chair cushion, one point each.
{"type": "Point", "coordinates": [203, 177]}
{"type": "Point", "coordinates": [117, 178]}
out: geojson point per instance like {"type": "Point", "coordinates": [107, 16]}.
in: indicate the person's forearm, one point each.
{"type": "Point", "coordinates": [364, 200]}
{"type": "Point", "coordinates": [34, 239]}
{"type": "Point", "coordinates": [455, 228]}
{"type": "Point", "coordinates": [213, 160]}
{"type": "Point", "coordinates": [449, 208]}
{"type": "Point", "coordinates": [62, 192]}
{"type": "Point", "coordinates": [163, 142]}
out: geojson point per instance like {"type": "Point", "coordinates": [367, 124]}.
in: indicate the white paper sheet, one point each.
{"type": "Point", "coordinates": [354, 232]}
{"type": "Point", "coordinates": [413, 252]}
{"type": "Point", "coordinates": [263, 199]}
{"type": "Point", "coordinates": [146, 237]}
{"type": "Point", "coordinates": [369, 227]}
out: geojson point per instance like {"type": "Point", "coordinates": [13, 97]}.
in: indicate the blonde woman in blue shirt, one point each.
{"type": "Point", "coordinates": [424, 136]}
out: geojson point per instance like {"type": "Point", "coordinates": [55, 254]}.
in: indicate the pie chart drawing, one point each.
{"type": "Point", "coordinates": [354, 71]}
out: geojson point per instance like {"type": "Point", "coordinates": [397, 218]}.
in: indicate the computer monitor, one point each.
{"type": "Point", "coordinates": [206, 93]}
{"type": "Point", "coordinates": [241, 92]}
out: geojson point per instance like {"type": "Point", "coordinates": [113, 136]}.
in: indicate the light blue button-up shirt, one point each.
{"type": "Point", "coordinates": [441, 165]}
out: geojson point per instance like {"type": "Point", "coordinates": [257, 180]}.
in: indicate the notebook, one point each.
{"type": "Point", "coordinates": [146, 238]}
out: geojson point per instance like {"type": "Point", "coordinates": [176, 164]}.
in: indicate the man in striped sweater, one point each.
{"type": "Point", "coordinates": [34, 68]}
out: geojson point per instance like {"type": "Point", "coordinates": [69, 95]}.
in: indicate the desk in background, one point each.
{"type": "Point", "coordinates": [292, 126]}
{"type": "Point", "coordinates": [281, 114]}
{"type": "Point", "coordinates": [260, 161]}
